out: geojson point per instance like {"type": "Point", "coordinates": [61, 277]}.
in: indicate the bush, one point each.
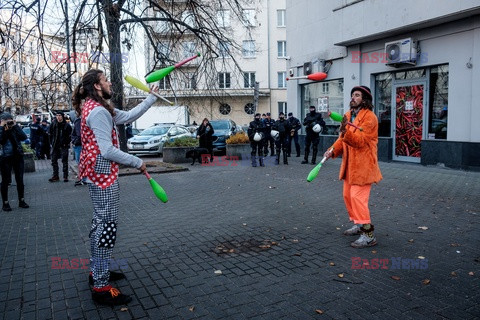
{"type": "Point", "coordinates": [238, 138]}
{"type": "Point", "coordinates": [182, 142]}
{"type": "Point", "coordinates": [27, 149]}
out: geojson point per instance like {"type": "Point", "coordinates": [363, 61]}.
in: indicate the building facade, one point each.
{"type": "Point", "coordinates": [419, 59]}
{"type": "Point", "coordinates": [260, 57]}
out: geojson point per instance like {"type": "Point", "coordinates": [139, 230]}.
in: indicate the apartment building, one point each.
{"type": "Point", "coordinates": [419, 59]}
{"type": "Point", "coordinates": [259, 48]}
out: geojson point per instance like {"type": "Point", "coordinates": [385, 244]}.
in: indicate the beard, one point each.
{"type": "Point", "coordinates": [106, 94]}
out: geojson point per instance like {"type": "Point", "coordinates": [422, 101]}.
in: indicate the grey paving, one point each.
{"type": "Point", "coordinates": [276, 239]}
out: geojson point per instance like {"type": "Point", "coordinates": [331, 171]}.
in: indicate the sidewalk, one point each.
{"type": "Point", "coordinates": [237, 242]}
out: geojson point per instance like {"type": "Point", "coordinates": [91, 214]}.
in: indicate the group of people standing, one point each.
{"type": "Point", "coordinates": [278, 135]}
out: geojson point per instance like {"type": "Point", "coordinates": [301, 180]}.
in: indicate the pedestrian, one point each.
{"type": "Point", "coordinates": [128, 131]}
{"type": "Point", "coordinates": [60, 136]}
{"type": "Point", "coordinates": [313, 123]}
{"type": "Point", "coordinates": [77, 146]}
{"type": "Point", "coordinates": [256, 135]}
{"type": "Point", "coordinates": [204, 134]}
{"type": "Point", "coordinates": [45, 151]}
{"type": "Point", "coordinates": [295, 125]}
{"type": "Point", "coordinates": [268, 137]}
{"type": "Point", "coordinates": [11, 157]}
{"type": "Point", "coordinates": [99, 163]}
{"type": "Point", "coordinates": [359, 169]}
{"type": "Point", "coordinates": [36, 138]}
{"type": "Point", "coordinates": [282, 127]}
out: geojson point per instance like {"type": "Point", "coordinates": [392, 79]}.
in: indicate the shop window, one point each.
{"type": "Point", "coordinates": [438, 103]}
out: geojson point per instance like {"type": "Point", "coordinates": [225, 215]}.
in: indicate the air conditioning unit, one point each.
{"type": "Point", "coordinates": [402, 51]}
{"type": "Point", "coordinates": [307, 68]}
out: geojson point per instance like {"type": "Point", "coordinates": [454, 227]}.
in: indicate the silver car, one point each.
{"type": "Point", "coordinates": [151, 140]}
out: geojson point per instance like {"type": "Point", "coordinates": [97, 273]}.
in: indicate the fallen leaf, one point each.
{"type": "Point", "coordinates": [244, 224]}
{"type": "Point", "coordinates": [145, 243]}
{"type": "Point", "coordinates": [298, 254]}
{"type": "Point", "coordinates": [471, 273]}
{"type": "Point", "coordinates": [274, 243]}
{"type": "Point", "coordinates": [319, 311]}
{"type": "Point", "coordinates": [411, 240]}
{"type": "Point", "coordinates": [374, 251]}
{"type": "Point", "coordinates": [231, 250]}
{"type": "Point", "coordinates": [191, 308]}
{"type": "Point", "coordinates": [218, 272]}
{"type": "Point", "coordinates": [340, 275]}
{"type": "Point", "coordinates": [426, 281]}
{"type": "Point", "coordinates": [295, 240]}
{"type": "Point", "coordinates": [453, 274]}
{"type": "Point", "coordinates": [332, 263]}
{"type": "Point", "coordinates": [124, 309]}
{"type": "Point", "coordinates": [458, 251]}
{"type": "Point", "coordinates": [271, 187]}
{"type": "Point", "coordinates": [338, 228]}
{"type": "Point", "coordinates": [423, 228]}
{"type": "Point", "coordinates": [396, 278]}
{"type": "Point", "coordinates": [454, 245]}
{"type": "Point", "coordinates": [421, 257]}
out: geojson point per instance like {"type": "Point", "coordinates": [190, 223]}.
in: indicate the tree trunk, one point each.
{"type": "Point", "coordinates": [112, 17]}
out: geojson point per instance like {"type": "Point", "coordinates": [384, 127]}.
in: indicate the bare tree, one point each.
{"type": "Point", "coordinates": [116, 24]}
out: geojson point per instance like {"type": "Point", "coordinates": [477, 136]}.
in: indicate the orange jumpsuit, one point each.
{"type": "Point", "coordinates": [359, 167]}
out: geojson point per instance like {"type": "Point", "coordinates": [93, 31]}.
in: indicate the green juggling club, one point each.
{"type": "Point", "coordinates": [157, 189]}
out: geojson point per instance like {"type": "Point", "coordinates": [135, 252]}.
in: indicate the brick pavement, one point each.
{"type": "Point", "coordinates": [276, 239]}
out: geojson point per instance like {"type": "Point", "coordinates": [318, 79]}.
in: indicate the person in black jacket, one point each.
{"type": "Point", "coordinates": [268, 121]}
{"type": "Point", "coordinates": [295, 125]}
{"type": "Point", "coordinates": [256, 135]}
{"type": "Point", "coordinates": [204, 134]}
{"type": "Point", "coordinates": [312, 138]}
{"type": "Point", "coordinates": [283, 128]}
{"type": "Point", "coordinates": [60, 132]}
{"type": "Point", "coordinates": [11, 150]}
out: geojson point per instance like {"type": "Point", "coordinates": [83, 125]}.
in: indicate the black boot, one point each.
{"type": "Point", "coordinates": [314, 157]}
{"type": "Point", "coordinates": [305, 161]}
{"type": "Point", "coordinates": [6, 206]}
{"type": "Point", "coordinates": [285, 158]}
{"type": "Point", "coordinates": [23, 204]}
{"type": "Point", "coordinates": [262, 164]}
{"type": "Point", "coordinates": [277, 159]}
{"type": "Point", "coordinates": [297, 147]}
{"type": "Point", "coordinates": [254, 161]}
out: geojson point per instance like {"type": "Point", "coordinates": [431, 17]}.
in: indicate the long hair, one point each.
{"type": "Point", "coordinates": [85, 89]}
{"type": "Point", "coordinates": [366, 104]}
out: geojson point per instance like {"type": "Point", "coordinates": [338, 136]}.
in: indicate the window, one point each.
{"type": "Point", "coordinates": [281, 22]}
{"type": "Point", "coordinates": [282, 49]}
{"type": "Point", "coordinates": [163, 50]}
{"type": "Point", "coordinates": [249, 79]}
{"type": "Point", "coordinates": [383, 103]}
{"type": "Point", "coordinates": [282, 107]}
{"type": "Point", "coordinates": [325, 87]}
{"type": "Point", "coordinates": [248, 49]}
{"type": "Point", "coordinates": [438, 103]}
{"type": "Point", "coordinates": [223, 18]}
{"type": "Point", "coordinates": [249, 17]}
{"type": "Point", "coordinates": [224, 109]}
{"type": "Point", "coordinates": [249, 108]}
{"type": "Point", "coordinates": [282, 82]}
{"type": "Point", "coordinates": [163, 83]}
{"type": "Point", "coordinates": [161, 26]}
{"type": "Point", "coordinates": [188, 49]}
{"type": "Point", "coordinates": [188, 18]}
{"type": "Point", "coordinates": [191, 81]}
{"type": "Point", "coordinates": [224, 49]}
{"type": "Point", "coordinates": [224, 80]}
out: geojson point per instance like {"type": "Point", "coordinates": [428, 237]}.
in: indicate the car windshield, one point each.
{"type": "Point", "coordinates": [26, 130]}
{"type": "Point", "coordinates": [220, 125]}
{"type": "Point", "coordinates": [154, 131]}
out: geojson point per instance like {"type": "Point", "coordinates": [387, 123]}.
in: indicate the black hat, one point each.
{"type": "Point", "coordinates": [290, 114]}
{"type": "Point", "coordinates": [263, 114]}
{"type": "Point", "coordinates": [37, 119]}
{"type": "Point", "coordinates": [6, 116]}
{"type": "Point", "coordinates": [281, 114]}
{"type": "Point", "coordinates": [312, 107]}
{"type": "Point", "coordinates": [257, 114]}
{"type": "Point", "coordinates": [366, 93]}
{"type": "Point", "coordinates": [268, 113]}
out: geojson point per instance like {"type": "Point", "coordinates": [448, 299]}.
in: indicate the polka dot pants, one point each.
{"type": "Point", "coordinates": [104, 230]}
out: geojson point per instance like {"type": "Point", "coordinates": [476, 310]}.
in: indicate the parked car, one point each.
{"type": "Point", "coordinates": [135, 131]}
{"type": "Point", "coordinates": [223, 129]}
{"type": "Point", "coordinates": [151, 140]}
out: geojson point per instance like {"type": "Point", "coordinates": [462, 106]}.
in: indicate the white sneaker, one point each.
{"type": "Point", "coordinates": [364, 241]}
{"type": "Point", "coordinates": [353, 231]}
